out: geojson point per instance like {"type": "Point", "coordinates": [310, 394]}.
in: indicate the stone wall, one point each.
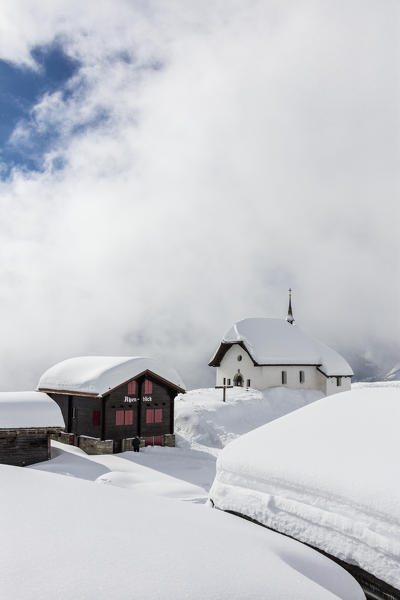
{"type": "Point", "coordinates": [95, 446]}
{"type": "Point", "coordinates": [169, 440]}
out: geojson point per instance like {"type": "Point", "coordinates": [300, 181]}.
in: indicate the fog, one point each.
{"type": "Point", "coordinates": [208, 157]}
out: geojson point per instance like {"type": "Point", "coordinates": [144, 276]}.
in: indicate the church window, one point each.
{"type": "Point", "coordinates": [338, 381]}
{"type": "Point", "coordinates": [239, 357]}
{"type": "Point", "coordinates": [301, 376]}
{"type": "Point", "coordinates": [224, 380]}
{"type": "Point", "coordinates": [284, 377]}
{"type": "Point", "coordinates": [229, 382]}
{"type": "Point", "coordinates": [248, 383]}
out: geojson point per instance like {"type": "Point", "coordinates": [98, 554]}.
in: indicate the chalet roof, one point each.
{"type": "Point", "coordinates": [96, 375]}
{"type": "Point", "coordinates": [277, 342]}
{"type": "Point", "coordinates": [22, 410]}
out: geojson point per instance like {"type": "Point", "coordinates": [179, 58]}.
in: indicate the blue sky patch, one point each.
{"type": "Point", "coordinates": [20, 89]}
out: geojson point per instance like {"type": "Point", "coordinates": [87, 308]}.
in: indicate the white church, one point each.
{"type": "Point", "coordinates": [262, 353]}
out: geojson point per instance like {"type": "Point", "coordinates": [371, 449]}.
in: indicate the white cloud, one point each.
{"type": "Point", "coordinates": [262, 154]}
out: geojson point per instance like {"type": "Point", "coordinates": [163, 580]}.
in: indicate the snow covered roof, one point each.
{"type": "Point", "coordinates": [276, 342]}
{"type": "Point", "coordinates": [99, 374]}
{"type": "Point", "coordinates": [325, 474]}
{"type": "Point", "coordinates": [28, 410]}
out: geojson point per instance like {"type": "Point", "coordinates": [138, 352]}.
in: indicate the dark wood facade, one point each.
{"type": "Point", "coordinates": [142, 406]}
{"type": "Point", "coordinates": [23, 447]}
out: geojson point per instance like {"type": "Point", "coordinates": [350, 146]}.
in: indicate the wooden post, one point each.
{"type": "Point", "coordinates": [224, 388]}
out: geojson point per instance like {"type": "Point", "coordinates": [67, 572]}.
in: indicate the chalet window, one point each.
{"type": "Point", "coordinates": [132, 388]}
{"type": "Point", "coordinates": [74, 413]}
{"type": "Point", "coordinates": [338, 381]}
{"type": "Point", "coordinates": [284, 377]}
{"type": "Point", "coordinates": [150, 415]}
{"type": "Point", "coordinates": [96, 417]}
{"type": "Point", "coordinates": [158, 415]}
{"type": "Point", "coordinates": [248, 383]}
{"type": "Point", "coordinates": [148, 386]}
{"type": "Point", "coordinates": [128, 417]}
{"type": "Point", "coordinates": [301, 376]}
{"type": "Point", "coordinates": [119, 417]}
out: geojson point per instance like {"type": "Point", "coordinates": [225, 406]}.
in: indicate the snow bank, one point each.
{"type": "Point", "coordinates": [28, 409]}
{"type": "Point", "coordinates": [276, 342]}
{"type": "Point", "coordinates": [327, 475]}
{"type": "Point", "coordinates": [201, 418]}
{"type": "Point", "coordinates": [98, 374]}
{"type": "Point", "coordinates": [107, 543]}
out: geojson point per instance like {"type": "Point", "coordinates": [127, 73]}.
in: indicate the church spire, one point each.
{"type": "Point", "coordinates": [289, 317]}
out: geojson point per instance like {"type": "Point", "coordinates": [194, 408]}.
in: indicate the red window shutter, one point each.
{"type": "Point", "coordinates": [150, 415]}
{"type": "Point", "coordinates": [158, 415]}
{"type": "Point", "coordinates": [148, 386]}
{"type": "Point", "coordinates": [132, 388]}
{"type": "Point", "coordinates": [129, 417]}
{"type": "Point", "coordinates": [96, 417]}
{"type": "Point", "coordinates": [119, 417]}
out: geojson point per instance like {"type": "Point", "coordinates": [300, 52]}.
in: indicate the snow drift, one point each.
{"type": "Point", "coordinates": [202, 419]}
{"type": "Point", "coordinates": [87, 541]}
{"type": "Point", "coordinates": [327, 475]}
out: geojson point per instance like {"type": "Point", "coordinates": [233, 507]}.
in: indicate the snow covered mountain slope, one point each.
{"type": "Point", "coordinates": [327, 475]}
{"type": "Point", "coordinates": [202, 419]}
{"type": "Point", "coordinates": [66, 538]}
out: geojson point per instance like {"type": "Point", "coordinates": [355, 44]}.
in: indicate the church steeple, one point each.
{"type": "Point", "coordinates": [290, 318]}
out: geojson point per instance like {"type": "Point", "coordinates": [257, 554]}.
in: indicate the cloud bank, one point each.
{"type": "Point", "coordinates": [207, 157]}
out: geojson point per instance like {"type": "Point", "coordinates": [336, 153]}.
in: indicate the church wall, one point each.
{"type": "Point", "coordinates": [271, 375]}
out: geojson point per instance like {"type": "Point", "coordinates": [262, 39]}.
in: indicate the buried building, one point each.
{"type": "Point", "coordinates": [107, 401]}
{"type": "Point", "coordinates": [27, 420]}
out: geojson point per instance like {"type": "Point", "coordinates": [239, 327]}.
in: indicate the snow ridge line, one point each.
{"type": "Point", "coordinates": [287, 517]}
{"type": "Point", "coordinates": [329, 504]}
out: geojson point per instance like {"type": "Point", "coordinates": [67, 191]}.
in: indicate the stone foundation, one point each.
{"type": "Point", "coordinates": [169, 440]}
{"type": "Point", "coordinates": [95, 446]}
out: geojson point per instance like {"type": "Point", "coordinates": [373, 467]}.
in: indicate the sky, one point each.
{"type": "Point", "coordinates": [167, 168]}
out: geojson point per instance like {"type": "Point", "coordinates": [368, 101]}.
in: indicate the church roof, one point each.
{"type": "Point", "coordinates": [96, 375]}
{"type": "Point", "coordinates": [277, 342]}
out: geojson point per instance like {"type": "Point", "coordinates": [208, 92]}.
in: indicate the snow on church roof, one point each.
{"type": "Point", "coordinates": [276, 342]}
{"type": "Point", "coordinates": [28, 410]}
{"type": "Point", "coordinates": [98, 374]}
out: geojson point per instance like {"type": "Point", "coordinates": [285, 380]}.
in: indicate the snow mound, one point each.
{"type": "Point", "coordinates": [276, 342]}
{"type": "Point", "coordinates": [327, 475]}
{"type": "Point", "coordinates": [28, 409]}
{"type": "Point", "coordinates": [99, 374]}
{"type": "Point", "coordinates": [202, 418]}
{"type": "Point", "coordinates": [103, 542]}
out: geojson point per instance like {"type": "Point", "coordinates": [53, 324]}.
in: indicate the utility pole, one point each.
{"type": "Point", "coordinates": [224, 388]}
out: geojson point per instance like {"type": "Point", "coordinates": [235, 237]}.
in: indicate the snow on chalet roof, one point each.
{"type": "Point", "coordinates": [98, 374]}
{"type": "Point", "coordinates": [28, 409]}
{"type": "Point", "coordinates": [276, 342]}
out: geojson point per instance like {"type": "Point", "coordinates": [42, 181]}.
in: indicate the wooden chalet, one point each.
{"type": "Point", "coordinates": [27, 421]}
{"type": "Point", "coordinates": [108, 401]}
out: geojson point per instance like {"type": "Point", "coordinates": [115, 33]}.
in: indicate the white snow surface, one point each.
{"type": "Point", "coordinates": [88, 541]}
{"type": "Point", "coordinates": [202, 419]}
{"type": "Point", "coordinates": [28, 409]}
{"type": "Point", "coordinates": [327, 475]}
{"type": "Point", "coordinates": [98, 374]}
{"type": "Point", "coordinates": [276, 342]}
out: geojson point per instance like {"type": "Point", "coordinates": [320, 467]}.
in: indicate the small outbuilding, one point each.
{"type": "Point", "coordinates": [27, 421]}
{"type": "Point", "coordinates": [108, 401]}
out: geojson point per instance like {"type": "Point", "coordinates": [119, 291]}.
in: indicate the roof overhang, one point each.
{"type": "Point", "coordinates": [146, 372]}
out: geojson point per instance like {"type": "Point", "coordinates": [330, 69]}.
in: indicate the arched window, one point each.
{"type": "Point", "coordinates": [238, 380]}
